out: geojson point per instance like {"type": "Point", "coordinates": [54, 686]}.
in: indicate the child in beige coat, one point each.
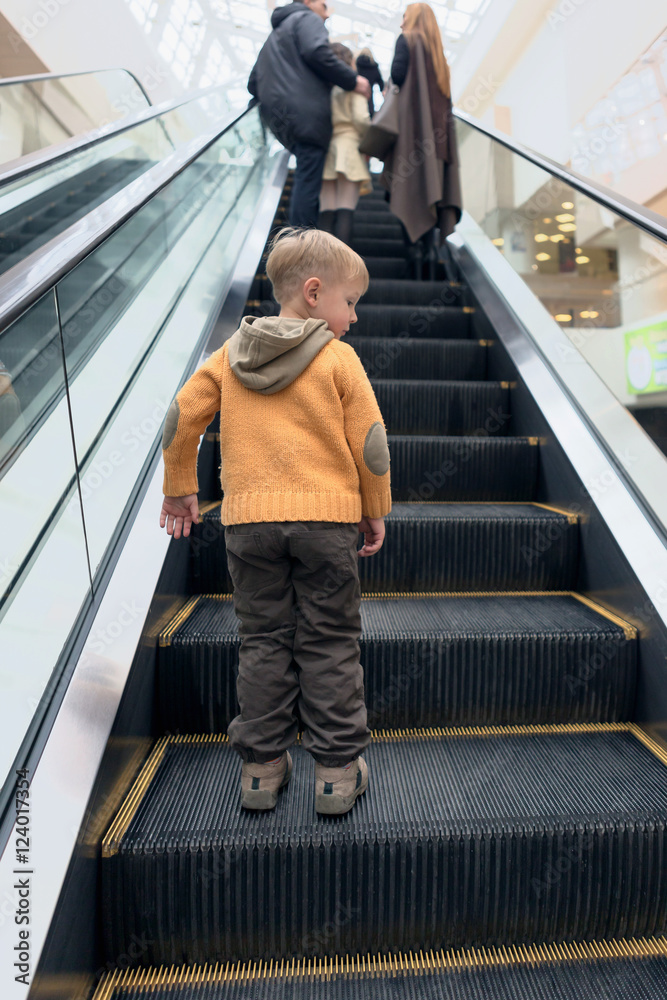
{"type": "Point", "coordinates": [346, 173]}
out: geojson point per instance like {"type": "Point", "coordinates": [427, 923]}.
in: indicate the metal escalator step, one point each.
{"type": "Point", "coordinates": [437, 547]}
{"type": "Point", "coordinates": [375, 202]}
{"type": "Point", "coordinates": [473, 547]}
{"type": "Point", "coordinates": [383, 247]}
{"type": "Point", "coordinates": [375, 227]}
{"type": "Point", "coordinates": [383, 291]}
{"type": "Point", "coordinates": [500, 836]}
{"type": "Point", "coordinates": [437, 321]}
{"type": "Point", "coordinates": [420, 358]}
{"type": "Point", "coordinates": [454, 660]}
{"type": "Point", "coordinates": [420, 406]}
{"type": "Point", "coordinates": [479, 468]}
{"type": "Point", "coordinates": [435, 468]}
{"type": "Point", "coordinates": [395, 268]}
{"type": "Point", "coordinates": [625, 969]}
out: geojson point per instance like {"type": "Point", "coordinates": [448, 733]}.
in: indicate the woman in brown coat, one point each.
{"type": "Point", "coordinates": [421, 171]}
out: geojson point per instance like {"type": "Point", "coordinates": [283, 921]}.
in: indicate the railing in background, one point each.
{"type": "Point", "coordinates": [598, 264]}
{"type": "Point", "coordinates": [40, 110]}
{"type": "Point", "coordinates": [100, 354]}
{"type": "Point", "coordinates": [43, 194]}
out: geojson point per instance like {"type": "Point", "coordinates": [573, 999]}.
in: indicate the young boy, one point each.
{"type": "Point", "coordinates": [305, 468]}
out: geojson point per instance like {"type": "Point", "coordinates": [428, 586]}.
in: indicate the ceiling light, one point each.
{"type": "Point", "coordinates": [567, 227]}
{"type": "Point", "coordinates": [534, 267]}
{"type": "Point", "coordinates": [583, 260]}
{"type": "Point", "coordinates": [565, 218]}
{"type": "Point", "coordinates": [541, 238]}
{"type": "Point", "coordinates": [557, 238]}
{"type": "Point", "coordinates": [578, 250]}
{"type": "Point", "coordinates": [499, 241]}
{"type": "Point", "coordinates": [551, 220]}
{"type": "Point", "coordinates": [568, 204]}
{"type": "Point", "coordinates": [542, 256]}
{"type": "Point", "coordinates": [563, 318]}
{"type": "Point", "coordinates": [589, 314]}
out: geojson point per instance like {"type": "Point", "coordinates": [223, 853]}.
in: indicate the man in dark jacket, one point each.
{"type": "Point", "coordinates": [292, 78]}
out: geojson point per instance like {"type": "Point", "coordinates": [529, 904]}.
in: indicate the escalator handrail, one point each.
{"type": "Point", "coordinates": [651, 222]}
{"type": "Point", "coordinates": [43, 158]}
{"type": "Point", "coordinates": [22, 285]}
{"type": "Point", "coordinates": [38, 77]}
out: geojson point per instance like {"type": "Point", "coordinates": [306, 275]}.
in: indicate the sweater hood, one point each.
{"type": "Point", "coordinates": [268, 352]}
{"type": "Point", "coordinates": [280, 13]}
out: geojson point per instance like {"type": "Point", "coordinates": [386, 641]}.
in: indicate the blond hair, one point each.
{"type": "Point", "coordinates": [298, 254]}
{"type": "Point", "coordinates": [420, 23]}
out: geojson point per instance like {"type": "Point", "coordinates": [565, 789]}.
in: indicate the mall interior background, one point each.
{"type": "Point", "coordinates": [583, 82]}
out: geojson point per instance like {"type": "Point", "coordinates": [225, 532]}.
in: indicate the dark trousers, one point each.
{"type": "Point", "coordinates": [305, 203]}
{"type": "Point", "coordinates": [297, 598]}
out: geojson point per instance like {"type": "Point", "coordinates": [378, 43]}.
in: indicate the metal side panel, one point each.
{"type": "Point", "coordinates": [100, 735]}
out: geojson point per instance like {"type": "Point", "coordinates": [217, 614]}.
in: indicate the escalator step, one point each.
{"type": "Point", "coordinates": [374, 204]}
{"type": "Point", "coordinates": [418, 406]}
{"type": "Point", "coordinates": [395, 268]}
{"type": "Point", "coordinates": [438, 320]}
{"type": "Point", "coordinates": [480, 468]}
{"type": "Point", "coordinates": [383, 247]}
{"type": "Point", "coordinates": [423, 468]}
{"type": "Point", "coordinates": [457, 660]}
{"type": "Point", "coordinates": [622, 970]}
{"type": "Point", "coordinates": [501, 836]}
{"type": "Point", "coordinates": [473, 547]}
{"type": "Point", "coordinates": [438, 547]}
{"type": "Point", "coordinates": [383, 291]}
{"type": "Point", "coordinates": [375, 227]}
{"type": "Point", "coordinates": [417, 358]}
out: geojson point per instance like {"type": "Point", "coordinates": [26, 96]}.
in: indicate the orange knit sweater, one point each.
{"type": "Point", "coordinates": [314, 451]}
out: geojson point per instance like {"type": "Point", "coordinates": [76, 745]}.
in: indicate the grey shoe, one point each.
{"type": "Point", "coordinates": [337, 789]}
{"type": "Point", "coordinates": [260, 783]}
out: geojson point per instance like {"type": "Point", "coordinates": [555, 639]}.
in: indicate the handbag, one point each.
{"type": "Point", "coordinates": [382, 132]}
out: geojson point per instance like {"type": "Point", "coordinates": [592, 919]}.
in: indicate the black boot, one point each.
{"type": "Point", "coordinates": [415, 261]}
{"type": "Point", "coordinates": [326, 221]}
{"type": "Point", "coordinates": [343, 227]}
{"type": "Point", "coordinates": [431, 254]}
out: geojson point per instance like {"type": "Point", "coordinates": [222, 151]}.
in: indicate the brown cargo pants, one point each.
{"type": "Point", "coordinates": [297, 597]}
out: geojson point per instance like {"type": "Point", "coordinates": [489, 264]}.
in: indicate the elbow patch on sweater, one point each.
{"type": "Point", "coordinates": [170, 425]}
{"type": "Point", "coordinates": [376, 450]}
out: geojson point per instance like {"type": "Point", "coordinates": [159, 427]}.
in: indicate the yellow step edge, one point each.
{"type": "Point", "coordinates": [208, 505]}
{"type": "Point", "coordinates": [383, 965]}
{"type": "Point", "coordinates": [118, 828]}
{"type": "Point", "coordinates": [631, 631]}
{"type": "Point", "coordinates": [112, 839]}
{"type": "Point", "coordinates": [166, 635]}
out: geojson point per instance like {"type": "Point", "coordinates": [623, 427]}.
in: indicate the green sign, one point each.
{"type": "Point", "coordinates": [646, 359]}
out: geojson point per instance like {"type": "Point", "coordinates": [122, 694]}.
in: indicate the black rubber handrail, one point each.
{"type": "Point", "coordinates": [26, 282]}
{"type": "Point", "coordinates": [650, 222]}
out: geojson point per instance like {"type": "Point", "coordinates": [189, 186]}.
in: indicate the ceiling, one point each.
{"type": "Point", "coordinates": [213, 41]}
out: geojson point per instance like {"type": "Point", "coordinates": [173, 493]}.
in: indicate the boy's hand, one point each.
{"type": "Point", "coordinates": [178, 513]}
{"type": "Point", "coordinates": [373, 532]}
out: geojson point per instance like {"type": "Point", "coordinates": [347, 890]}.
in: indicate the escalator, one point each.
{"type": "Point", "coordinates": [512, 842]}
